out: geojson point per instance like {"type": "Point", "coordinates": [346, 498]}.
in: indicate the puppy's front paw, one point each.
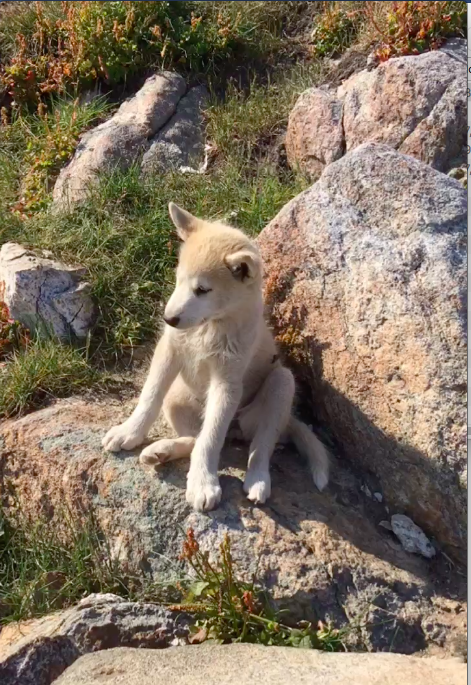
{"type": "Point", "coordinates": [122, 437]}
{"type": "Point", "coordinates": [257, 485]}
{"type": "Point", "coordinates": [203, 491]}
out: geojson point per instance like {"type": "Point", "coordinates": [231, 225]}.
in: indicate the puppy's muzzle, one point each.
{"type": "Point", "coordinates": [172, 321]}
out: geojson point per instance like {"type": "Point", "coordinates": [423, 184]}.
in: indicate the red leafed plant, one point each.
{"type": "Point", "coordinates": [415, 26]}
{"type": "Point", "coordinates": [13, 335]}
{"type": "Point", "coordinates": [232, 610]}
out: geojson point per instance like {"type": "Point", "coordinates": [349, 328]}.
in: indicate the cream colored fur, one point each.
{"type": "Point", "coordinates": [217, 361]}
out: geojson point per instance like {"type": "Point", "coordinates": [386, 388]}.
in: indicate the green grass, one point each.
{"type": "Point", "coordinates": [124, 236]}
{"type": "Point", "coordinates": [245, 125]}
{"type": "Point", "coordinates": [43, 370]}
{"type": "Point", "coordinates": [43, 569]}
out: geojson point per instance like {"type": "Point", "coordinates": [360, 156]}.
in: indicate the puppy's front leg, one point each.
{"type": "Point", "coordinates": [203, 490]}
{"type": "Point", "coordinates": [163, 371]}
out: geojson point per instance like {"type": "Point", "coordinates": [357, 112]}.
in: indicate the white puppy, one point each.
{"type": "Point", "coordinates": [217, 361]}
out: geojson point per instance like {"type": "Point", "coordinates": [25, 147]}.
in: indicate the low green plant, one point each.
{"type": "Point", "coordinates": [71, 46]}
{"type": "Point", "coordinates": [231, 610]}
{"type": "Point", "coordinates": [43, 368]}
{"type": "Point", "coordinates": [50, 139]}
{"type": "Point", "coordinates": [335, 29]}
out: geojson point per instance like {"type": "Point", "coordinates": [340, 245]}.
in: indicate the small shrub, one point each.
{"type": "Point", "coordinates": [334, 30]}
{"type": "Point", "coordinates": [112, 41]}
{"type": "Point", "coordinates": [231, 610]}
{"type": "Point", "coordinates": [52, 141]}
{"type": "Point", "coordinates": [413, 27]}
{"type": "Point", "coordinates": [34, 147]}
{"type": "Point", "coordinates": [13, 335]}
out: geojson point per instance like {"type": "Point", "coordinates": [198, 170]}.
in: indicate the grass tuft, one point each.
{"type": "Point", "coordinates": [34, 147]}
{"type": "Point", "coordinates": [125, 238]}
{"type": "Point", "coordinates": [43, 569]}
{"type": "Point", "coordinates": [44, 369]}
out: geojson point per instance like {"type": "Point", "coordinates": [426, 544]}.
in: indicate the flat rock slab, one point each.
{"type": "Point", "coordinates": [322, 555]}
{"type": "Point", "coordinates": [38, 651]}
{"type": "Point", "coordinates": [246, 664]}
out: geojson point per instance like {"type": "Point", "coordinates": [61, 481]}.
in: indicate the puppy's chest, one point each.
{"type": "Point", "coordinates": [202, 352]}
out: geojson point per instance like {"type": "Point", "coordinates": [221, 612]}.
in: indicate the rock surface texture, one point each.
{"type": "Point", "coordinates": [322, 555]}
{"type": "Point", "coordinates": [159, 120]}
{"type": "Point", "coordinates": [242, 664]}
{"type": "Point", "coordinates": [315, 134]}
{"type": "Point", "coordinates": [37, 652]}
{"type": "Point", "coordinates": [366, 286]}
{"type": "Point", "coordinates": [181, 141]}
{"type": "Point", "coordinates": [42, 293]}
{"type": "Point", "coordinates": [427, 121]}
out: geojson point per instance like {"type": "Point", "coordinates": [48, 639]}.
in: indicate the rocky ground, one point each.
{"type": "Point", "coordinates": [327, 556]}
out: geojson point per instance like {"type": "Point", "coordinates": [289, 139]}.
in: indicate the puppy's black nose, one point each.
{"type": "Point", "coordinates": [172, 321]}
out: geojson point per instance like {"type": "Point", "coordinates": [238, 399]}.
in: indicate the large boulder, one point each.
{"type": "Point", "coordinates": [120, 140]}
{"type": "Point", "coordinates": [45, 295]}
{"type": "Point", "coordinates": [374, 112]}
{"type": "Point", "coordinates": [366, 285]}
{"type": "Point", "coordinates": [242, 664]}
{"type": "Point", "coordinates": [38, 651]}
{"type": "Point", "coordinates": [322, 555]}
{"type": "Point", "coordinates": [416, 104]}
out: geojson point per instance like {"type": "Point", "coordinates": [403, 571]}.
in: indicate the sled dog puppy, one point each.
{"type": "Point", "coordinates": [217, 361]}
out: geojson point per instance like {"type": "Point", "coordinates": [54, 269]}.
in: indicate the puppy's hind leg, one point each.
{"type": "Point", "coordinates": [183, 414]}
{"type": "Point", "coordinates": [167, 449]}
{"type": "Point", "coordinates": [263, 421]}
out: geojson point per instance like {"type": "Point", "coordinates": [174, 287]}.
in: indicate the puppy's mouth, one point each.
{"type": "Point", "coordinates": [185, 326]}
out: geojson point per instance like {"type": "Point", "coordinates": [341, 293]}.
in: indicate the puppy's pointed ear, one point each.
{"type": "Point", "coordinates": [245, 265]}
{"type": "Point", "coordinates": [185, 223]}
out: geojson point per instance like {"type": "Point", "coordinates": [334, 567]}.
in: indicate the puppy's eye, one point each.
{"type": "Point", "coordinates": [201, 291]}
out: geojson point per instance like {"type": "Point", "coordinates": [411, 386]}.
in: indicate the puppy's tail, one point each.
{"type": "Point", "coordinates": [312, 449]}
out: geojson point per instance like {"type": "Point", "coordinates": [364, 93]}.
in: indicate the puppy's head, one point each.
{"type": "Point", "coordinates": [218, 269]}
